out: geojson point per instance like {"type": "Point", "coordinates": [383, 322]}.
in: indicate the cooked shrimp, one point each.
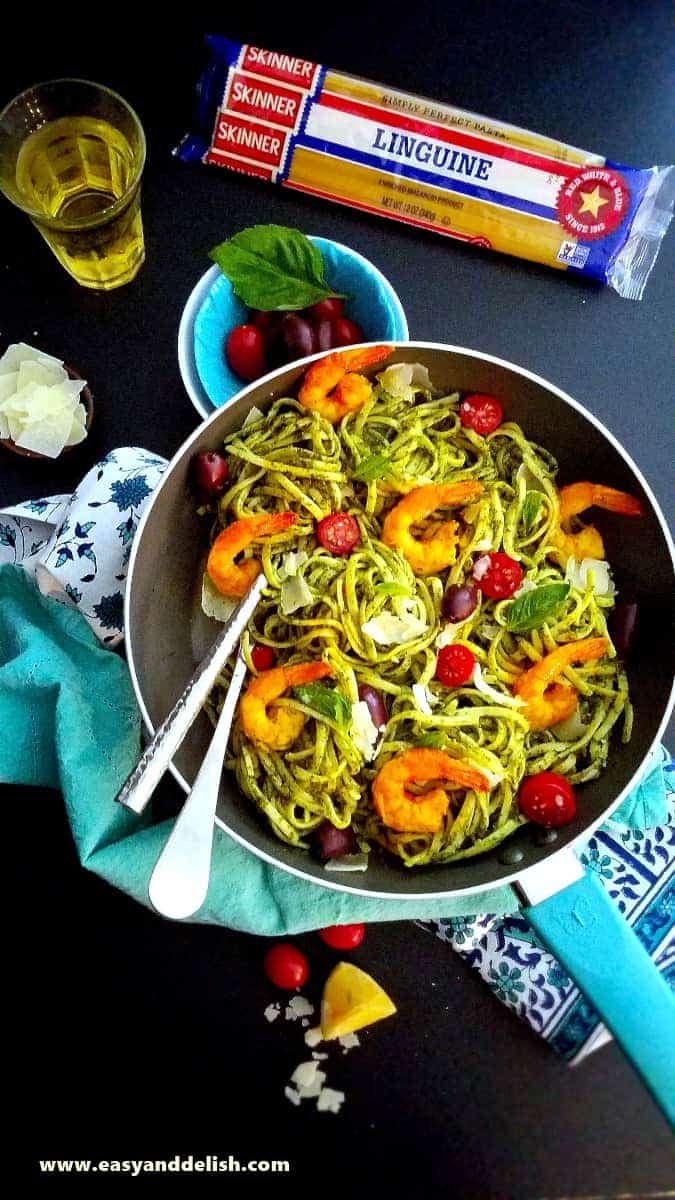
{"type": "Point", "coordinates": [331, 386]}
{"type": "Point", "coordinates": [277, 728]}
{"type": "Point", "coordinates": [407, 813]}
{"type": "Point", "coordinates": [575, 499]}
{"type": "Point", "coordinates": [546, 701]}
{"type": "Point", "coordinates": [234, 579]}
{"type": "Point", "coordinates": [433, 554]}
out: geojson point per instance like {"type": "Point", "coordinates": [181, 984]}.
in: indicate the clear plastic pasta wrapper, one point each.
{"type": "Point", "coordinates": [428, 164]}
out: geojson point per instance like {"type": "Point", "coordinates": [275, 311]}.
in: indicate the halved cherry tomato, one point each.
{"type": "Point", "coordinates": [346, 332]}
{"type": "Point", "coordinates": [286, 966]}
{"type": "Point", "coordinates": [343, 937]}
{"type": "Point", "coordinates": [339, 533]}
{"type": "Point", "coordinates": [454, 666]}
{"type": "Point", "coordinates": [262, 657]}
{"type": "Point", "coordinates": [498, 575]}
{"type": "Point", "coordinates": [210, 473]}
{"type": "Point", "coordinates": [547, 799]}
{"type": "Point", "coordinates": [481, 413]}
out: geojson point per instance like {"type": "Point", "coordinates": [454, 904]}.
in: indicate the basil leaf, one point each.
{"type": "Point", "coordinates": [325, 700]}
{"type": "Point", "coordinates": [273, 268]}
{"type": "Point", "coordinates": [391, 589]}
{"type": "Point", "coordinates": [533, 608]}
{"type": "Point", "coordinates": [373, 467]}
{"type": "Point", "coordinates": [531, 506]}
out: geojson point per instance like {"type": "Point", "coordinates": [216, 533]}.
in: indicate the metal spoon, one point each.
{"type": "Point", "coordinates": [180, 879]}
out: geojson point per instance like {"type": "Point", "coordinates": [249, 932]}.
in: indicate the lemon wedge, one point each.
{"type": "Point", "coordinates": [351, 1000]}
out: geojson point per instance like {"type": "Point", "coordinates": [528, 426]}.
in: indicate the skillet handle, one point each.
{"type": "Point", "coordinates": [604, 957]}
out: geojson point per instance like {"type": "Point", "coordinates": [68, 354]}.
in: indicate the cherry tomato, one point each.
{"type": "Point", "coordinates": [481, 413]}
{"type": "Point", "coordinates": [343, 937]}
{"type": "Point", "coordinates": [210, 473]}
{"type": "Point", "coordinates": [346, 332]}
{"type": "Point", "coordinates": [338, 533]}
{"type": "Point", "coordinates": [326, 310]}
{"type": "Point", "coordinates": [245, 351]}
{"type": "Point", "coordinates": [547, 799]}
{"type": "Point", "coordinates": [286, 966]}
{"type": "Point", "coordinates": [324, 334]}
{"type": "Point", "coordinates": [262, 657]}
{"type": "Point", "coordinates": [298, 336]}
{"type": "Point", "coordinates": [454, 666]}
{"type": "Point", "coordinates": [332, 842]}
{"type": "Point", "coordinates": [498, 575]}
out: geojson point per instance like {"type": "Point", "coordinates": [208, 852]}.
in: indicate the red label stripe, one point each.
{"type": "Point", "coordinates": [467, 140]}
{"type": "Point", "coordinates": [266, 101]}
{"type": "Point", "coordinates": [219, 159]}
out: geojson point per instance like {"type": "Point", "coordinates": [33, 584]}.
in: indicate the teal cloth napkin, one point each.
{"type": "Point", "coordinates": [69, 720]}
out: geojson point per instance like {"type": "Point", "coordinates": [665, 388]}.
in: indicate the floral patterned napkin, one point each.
{"type": "Point", "coordinates": [78, 546]}
{"type": "Point", "coordinates": [637, 869]}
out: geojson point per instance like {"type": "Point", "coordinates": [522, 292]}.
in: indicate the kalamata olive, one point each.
{"type": "Point", "coordinates": [324, 334]}
{"type": "Point", "coordinates": [210, 473]}
{"type": "Point", "coordinates": [346, 332]}
{"type": "Point", "coordinates": [298, 336]}
{"type": "Point", "coordinates": [459, 602]}
{"type": "Point", "coordinates": [326, 310]}
{"type": "Point", "coordinates": [622, 624]}
{"type": "Point", "coordinates": [376, 705]}
{"type": "Point", "coordinates": [332, 842]}
{"type": "Point", "coordinates": [269, 324]}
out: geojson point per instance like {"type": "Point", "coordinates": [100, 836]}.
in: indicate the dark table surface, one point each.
{"type": "Point", "coordinates": [142, 1039]}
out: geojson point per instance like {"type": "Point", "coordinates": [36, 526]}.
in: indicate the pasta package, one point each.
{"type": "Point", "coordinates": [374, 148]}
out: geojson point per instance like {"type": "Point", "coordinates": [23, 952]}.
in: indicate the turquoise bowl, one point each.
{"type": "Point", "coordinates": [213, 310]}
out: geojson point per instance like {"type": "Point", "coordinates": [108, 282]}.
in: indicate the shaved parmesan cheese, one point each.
{"type": "Point", "coordinates": [423, 698]}
{"type": "Point", "coordinates": [388, 630]}
{"type": "Point", "coordinates": [40, 373]}
{"type": "Point", "coordinates": [292, 1095]}
{"type": "Point", "coordinates": [348, 1041]}
{"type": "Point", "coordinates": [39, 405]}
{"type": "Point", "coordinates": [492, 693]}
{"type": "Point", "coordinates": [532, 482]}
{"type": "Point", "coordinates": [295, 594]}
{"type": "Point", "coordinates": [449, 632]}
{"type": "Point", "coordinates": [348, 862]}
{"type": "Point", "coordinates": [330, 1101]}
{"type": "Point", "coordinates": [298, 1007]}
{"type": "Point", "coordinates": [272, 1012]}
{"type": "Point", "coordinates": [8, 385]}
{"type": "Point", "coordinates": [304, 1076]}
{"type": "Point", "coordinates": [313, 1036]}
{"type": "Point", "coordinates": [364, 731]}
{"type": "Point", "coordinates": [214, 604]}
{"type": "Point", "coordinates": [484, 544]}
{"type": "Point", "coordinates": [21, 352]}
{"type": "Point", "coordinates": [291, 563]}
{"type": "Point", "coordinates": [401, 377]}
{"type": "Point", "coordinates": [571, 729]}
{"type": "Point", "coordinates": [318, 1056]}
{"type": "Point", "coordinates": [254, 414]}
{"type": "Point", "coordinates": [493, 777]}
{"type": "Point", "coordinates": [578, 575]}
{"type": "Point", "coordinates": [481, 566]}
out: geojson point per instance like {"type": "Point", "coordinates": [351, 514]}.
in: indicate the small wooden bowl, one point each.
{"type": "Point", "coordinates": [86, 399]}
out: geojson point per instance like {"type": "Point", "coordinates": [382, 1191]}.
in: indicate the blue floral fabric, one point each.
{"type": "Point", "coordinates": [77, 547]}
{"type": "Point", "coordinates": [636, 866]}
